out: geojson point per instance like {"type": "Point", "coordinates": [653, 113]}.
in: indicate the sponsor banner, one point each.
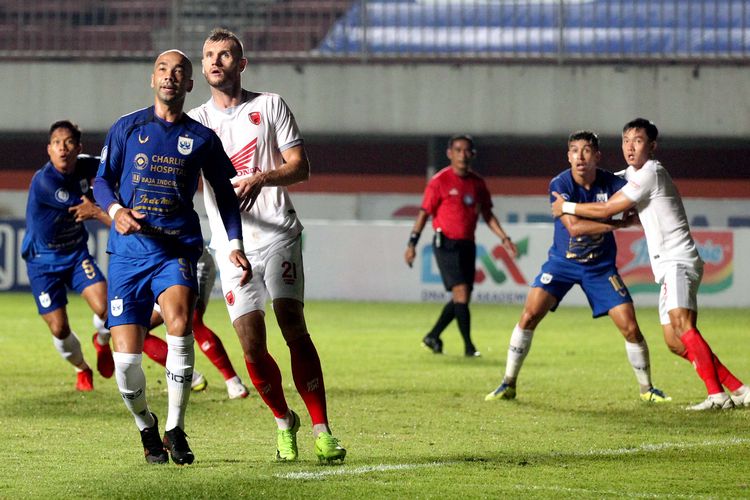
{"type": "Point", "coordinates": [716, 248]}
{"type": "Point", "coordinates": [365, 261]}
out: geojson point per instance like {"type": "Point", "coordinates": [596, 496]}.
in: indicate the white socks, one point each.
{"type": "Point", "coordinates": [132, 384]}
{"type": "Point", "coordinates": [103, 333]}
{"type": "Point", "coordinates": [639, 360]}
{"type": "Point", "coordinates": [179, 369]}
{"type": "Point", "coordinates": [518, 348]}
{"type": "Point", "coordinates": [70, 349]}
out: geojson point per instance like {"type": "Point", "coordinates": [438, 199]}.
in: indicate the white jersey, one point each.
{"type": "Point", "coordinates": [663, 217]}
{"type": "Point", "coordinates": [254, 134]}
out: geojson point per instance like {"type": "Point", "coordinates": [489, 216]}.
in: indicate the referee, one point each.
{"type": "Point", "coordinates": [454, 198]}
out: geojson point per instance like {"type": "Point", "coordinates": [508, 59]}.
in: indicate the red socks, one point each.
{"type": "Point", "coordinates": [155, 348]}
{"type": "Point", "coordinates": [700, 354]}
{"type": "Point", "coordinates": [308, 378]}
{"type": "Point", "coordinates": [212, 347]}
{"type": "Point", "coordinates": [266, 378]}
{"type": "Point", "coordinates": [726, 377]}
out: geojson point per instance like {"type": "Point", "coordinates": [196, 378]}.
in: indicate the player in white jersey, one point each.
{"type": "Point", "coordinates": [260, 135]}
{"type": "Point", "coordinates": [674, 258]}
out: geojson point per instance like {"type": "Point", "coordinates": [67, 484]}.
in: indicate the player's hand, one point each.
{"type": "Point", "coordinates": [239, 259]}
{"type": "Point", "coordinates": [510, 247]}
{"type": "Point", "coordinates": [248, 189]}
{"type": "Point", "coordinates": [86, 210]}
{"type": "Point", "coordinates": [126, 220]}
{"type": "Point", "coordinates": [409, 255]}
{"type": "Point", "coordinates": [557, 204]}
{"type": "Point", "coordinates": [630, 218]}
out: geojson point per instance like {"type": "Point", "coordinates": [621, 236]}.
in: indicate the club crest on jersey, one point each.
{"type": "Point", "coordinates": [44, 299]}
{"type": "Point", "coordinates": [115, 307]}
{"type": "Point", "coordinates": [468, 200]}
{"type": "Point", "coordinates": [254, 117]}
{"type": "Point", "coordinates": [62, 195]}
{"type": "Point", "coordinates": [230, 297]}
{"type": "Point", "coordinates": [185, 145]}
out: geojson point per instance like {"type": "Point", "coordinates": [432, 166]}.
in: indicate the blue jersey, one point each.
{"type": "Point", "coordinates": [52, 234]}
{"type": "Point", "coordinates": [590, 249]}
{"type": "Point", "coordinates": [153, 166]}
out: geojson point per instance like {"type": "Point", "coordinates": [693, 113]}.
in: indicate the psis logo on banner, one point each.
{"type": "Point", "coordinates": [716, 248]}
{"type": "Point", "coordinates": [490, 264]}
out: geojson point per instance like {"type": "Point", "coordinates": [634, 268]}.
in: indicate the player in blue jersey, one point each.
{"type": "Point", "coordinates": [583, 253]}
{"type": "Point", "coordinates": [148, 175]}
{"type": "Point", "coordinates": [55, 249]}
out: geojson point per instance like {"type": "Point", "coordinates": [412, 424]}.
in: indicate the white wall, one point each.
{"type": "Point", "coordinates": [398, 99]}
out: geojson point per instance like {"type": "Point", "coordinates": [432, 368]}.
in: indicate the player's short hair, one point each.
{"type": "Point", "coordinates": [223, 34]}
{"type": "Point", "coordinates": [462, 137]}
{"type": "Point", "coordinates": [651, 131]}
{"type": "Point", "coordinates": [585, 135]}
{"type": "Point", "coordinates": [75, 130]}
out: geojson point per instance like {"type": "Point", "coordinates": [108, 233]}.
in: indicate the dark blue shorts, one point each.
{"type": "Point", "coordinates": [49, 283]}
{"type": "Point", "coordinates": [135, 285]}
{"type": "Point", "coordinates": [601, 283]}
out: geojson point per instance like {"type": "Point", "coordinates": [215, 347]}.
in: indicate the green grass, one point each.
{"type": "Point", "coordinates": [415, 424]}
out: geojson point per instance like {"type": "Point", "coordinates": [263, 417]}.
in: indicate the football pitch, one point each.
{"type": "Point", "coordinates": [415, 424]}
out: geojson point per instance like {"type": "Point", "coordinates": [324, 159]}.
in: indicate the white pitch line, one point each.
{"type": "Point", "coordinates": [645, 448]}
{"type": "Point", "coordinates": [359, 470]}
{"type": "Point", "coordinates": [616, 494]}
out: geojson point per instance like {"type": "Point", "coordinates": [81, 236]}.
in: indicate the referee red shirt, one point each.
{"type": "Point", "coordinates": [455, 203]}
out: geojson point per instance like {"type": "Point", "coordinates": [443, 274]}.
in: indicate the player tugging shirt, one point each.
{"type": "Point", "coordinates": [153, 166]}
{"type": "Point", "coordinates": [587, 249]}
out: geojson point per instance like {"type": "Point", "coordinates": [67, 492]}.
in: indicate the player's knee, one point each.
{"type": "Point", "coordinates": [530, 318]}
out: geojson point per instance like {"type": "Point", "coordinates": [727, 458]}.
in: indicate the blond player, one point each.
{"type": "Point", "coordinates": [675, 262]}
{"type": "Point", "coordinates": [260, 135]}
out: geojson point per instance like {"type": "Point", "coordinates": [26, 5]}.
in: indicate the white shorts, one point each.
{"type": "Point", "coordinates": [679, 289]}
{"type": "Point", "coordinates": [206, 273]}
{"type": "Point", "coordinates": [277, 273]}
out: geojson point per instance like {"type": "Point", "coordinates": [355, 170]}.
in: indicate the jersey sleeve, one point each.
{"type": "Point", "coordinates": [639, 185]}
{"type": "Point", "coordinates": [286, 130]}
{"type": "Point", "coordinates": [218, 171]}
{"type": "Point", "coordinates": [484, 198]}
{"type": "Point", "coordinates": [51, 193]}
{"type": "Point", "coordinates": [110, 169]}
{"type": "Point", "coordinates": [431, 198]}
{"type": "Point", "coordinates": [559, 185]}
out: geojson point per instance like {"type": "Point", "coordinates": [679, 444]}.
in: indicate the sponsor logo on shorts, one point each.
{"type": "Point", "coordinates": [44, 299]}
{"type": "Point", "coordinates": [115, 307]}
{"type": "Point", "coordinates": [230, 297]}
{"type": "Point", "coordinates": [546, 278]}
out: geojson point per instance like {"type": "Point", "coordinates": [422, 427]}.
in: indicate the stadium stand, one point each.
{"type": "Point", "coordinates": [597, 28]}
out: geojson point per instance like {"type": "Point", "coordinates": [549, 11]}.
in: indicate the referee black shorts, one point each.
{"type": "Point", "coordinates": [456, 260]}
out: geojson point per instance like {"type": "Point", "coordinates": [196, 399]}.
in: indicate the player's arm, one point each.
{"type": "Point", "coordinates": [89, 210]}
{"type": "Point", "coordinates": [416, 232]}
{"type": "Point", "coordinates": [107, 181]}
{"type": "Point", "coordinates": [495, 227]}
{"type": "Point", "coordinates": [618, 203]}
{"type": "Point", "coordinates": [296, 168]}
{"type": "Point", "coordinates": [217, 174]}
{"type": "Point", "coordinates": [578, 226]}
